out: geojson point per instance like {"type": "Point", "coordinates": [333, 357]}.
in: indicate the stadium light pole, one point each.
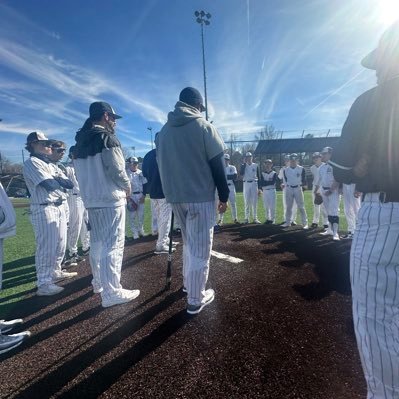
{"type": "Point", "coordinates": [203, 19]}
{"type": "Point", "coordinates": [152, 143]}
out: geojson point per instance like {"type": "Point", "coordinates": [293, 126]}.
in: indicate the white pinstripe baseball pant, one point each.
{"type": "Point", "coordinates": [375, 295]}
{"type": "Point", "coordinates": [84, 232]}
{"type": "Point", "coordinates": [107, 242]}
{"type": "Point", "coordinates": [50, 227]}
{"type": "Point", "coordinates": [137, 217]}
{"type": "Point", "coordinates": [163, 213]}
{"type": "Point", "coordinates": [251, 199]}
{"type": "Point", "coordinates": [351, 205]}
{"type": "Point", "coordinates": [317, 209]}
{"type": "Point", "coordinates": [76, 211]}
{"type": "Point", "coordinates": [294, 208]}
{"type": "Point", "coordinates": [294, 195]}
{"type": "Point", "coordinates": [269, 203]}
{"type": "Point", "coordinates": [154, 216]}
{"type": "Point", "coordinates": [196, 222]}
{"type": "Point", "coordinates": [331, 202]}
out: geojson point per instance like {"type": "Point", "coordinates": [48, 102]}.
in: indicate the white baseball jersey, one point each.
{"type": "Point", "coordinates": [326, 177]}
{"type": "Point", "coordinates": [314, 169]}
{"type": "Point", "coordinates": [137, 180]}
{"type": "Point", "coordinates": [251, 172]}
{"type": "Point", "coordinates": [294, 176]}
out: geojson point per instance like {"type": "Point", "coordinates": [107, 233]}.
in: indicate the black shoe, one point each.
{"type": "Point", "coordinates": [86, 252]}
{"type": "Point", "coordinates": [326, 226]}
{"type": "Point", "coordinates": [314, 225]}
{"type": "Point", "coordinates": [293, 224]}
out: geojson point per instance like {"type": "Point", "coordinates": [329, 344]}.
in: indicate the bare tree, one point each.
{"type": "Point", "coordinates": [268, 133]}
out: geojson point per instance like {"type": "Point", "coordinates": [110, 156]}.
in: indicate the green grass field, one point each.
{"type": "Point", "coordinates": [19, 273]}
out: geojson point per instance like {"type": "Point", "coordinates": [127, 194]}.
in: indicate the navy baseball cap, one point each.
{"type": "Point", "coordinates": [293, 157]}
{"type": "Point", "coordinates": [192, 97]}
{"type": "Point", "coordinates": [326, 150]}
{"type": "Point", "coordinates": [98, 108]}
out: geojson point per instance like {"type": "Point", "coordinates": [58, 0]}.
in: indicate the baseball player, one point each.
{"type": "Point", "coordinates": [314, 169]}
{"type": "Point", "coordinates": [162, 210]}
{"type": "Point", "coordinates": [190, 159]}
{"type": "Point", "coordinates": [8, 223]}
{"type": "Point", "coordinates": [47, 185]}
{"type": "Point", "coordinates": [268, 184]}
{"type": "Point", "coordinates": [352, 202]}
{"type": "Point", "coordinates": [138, 182]}
{"type": "Point", "coordinates": [104, 185]}
{"type": "Point", "coordinates": [231, 177]}
{"type": "Point", "coordinates": [283, 185]}
{"type": "Point", "coordinates": [295, 180]}
{"type": "Point", "coordinates": [329, 190]}
{"type": "Point", "coordinates": [250, 175]}
{"type": "Point", "coordinates": [369, 144]}
{"type": "Point", "coordinates": [77, 217]}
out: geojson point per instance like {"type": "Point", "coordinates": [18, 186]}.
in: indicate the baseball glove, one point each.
{"type": "Point", "coordinates": [318, 199]}
{"type": "Point", "coordinates": [131, 205]}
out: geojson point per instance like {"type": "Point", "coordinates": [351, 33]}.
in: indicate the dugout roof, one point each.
{"type": "Point", "coordinates": [288, 146]}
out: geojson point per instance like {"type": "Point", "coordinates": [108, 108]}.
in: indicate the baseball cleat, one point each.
{"type": "Point", "coordinates": [6, 326]}
{"type": "Point", "coordinates": [257, 221]}
{"type": "Point", "coordinates": [121, 297]}
{"type": "Point", "coordinates": [184, 289]}
{"type": "Point", "coordinates": [314, 225]}
{"type": "Point", "coordinates": [85, 252]}
{"type": "Point", "coordinates": [286, 225]}
{"type": "Point", "coordinates": [348, 236]}
{"type": "Point", "coordinates": [163, 249]}
{"type": "Point", "coordinates": [236, 221]}
{"type": "Point", "coordinates": [293, 223]}
{"type": "Point", "coordinates": [306, 227]}
{"type": "Point", "coordinates": [209, 297]}
{"type": "Point", "coordinates": [328, 232]}
{"type": "Point", "coordinates": [63, 275]}
{"type": "Point", "coordinates": [325, 226]}
{"type": "Point", "coordinates": [8, 342]}
{"type": "Point", "coordinates": [336, 237]}
{"type": "Point", "coordinates": [135, 236]}
{"type": "Point", "coordinates": [246, 221]}
{"type": "Point", "coordinates": [49, 289]}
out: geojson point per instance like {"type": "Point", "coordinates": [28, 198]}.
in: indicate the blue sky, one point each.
{"type": "Point", "coordinates": [291, 63]}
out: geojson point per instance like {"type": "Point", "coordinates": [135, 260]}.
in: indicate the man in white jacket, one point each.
{"type": "Point", "coordinates": [104, 184]}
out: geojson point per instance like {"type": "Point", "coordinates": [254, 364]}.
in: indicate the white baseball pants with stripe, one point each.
{"type": "Point", "coordinates": [294, 208]}
{"type": "Point", "coordinates": [251, 199]}
{"type": "Point", "coordinates": [76, 211]}
{"type": "Point", "coordinates": [351, 205]}
{"type": "Point", "coordinates": [232, 203]}
{"type": "Point", "coordinates": [154, 217]}
{"type": "Point", "coordinates": [196, 222]}
{"type": "Point", "coordinates": [84, 232]}
{"type": "Point", "coordinates": [137, 217]}
{"type": "Point", "coordinates": [294, 195]}
{"type": "Point", "coordinates": [50, 227]}
{"type": "Point", "coordinates": [317, 210]}
{"type": "Point", "coordinates": [107, 242]}
{"type": "Point", "coordinates": [375, 295]}
{"type": "Point", "coordinates": [163, 214]}
{"type": "Point", "coordinates": [269, 203]}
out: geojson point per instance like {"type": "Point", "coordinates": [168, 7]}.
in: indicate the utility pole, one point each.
{"type": "Point", "coordinates": [203, 18]}
{"type": "Point", "coordinates": [152, 143]}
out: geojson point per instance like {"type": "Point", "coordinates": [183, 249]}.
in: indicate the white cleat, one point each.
{"type": "Point", "coordinates": [48, 290]}
{"type": "Point", "coordinates": [257, 221]}
{"type": "Point", "coordinates": [328, 232]}
{"type": "Point", "coordinates": [286, 225]}
{"type": "Point", "coordinates": [123, 296]}
{"type": "Point", "coordinates": [336, 237]}
{"type": "Point", "coordinates": [306, 227]}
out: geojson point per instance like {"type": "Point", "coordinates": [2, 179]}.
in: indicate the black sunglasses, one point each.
{"type": "Point", "coordinates": [59, 150]}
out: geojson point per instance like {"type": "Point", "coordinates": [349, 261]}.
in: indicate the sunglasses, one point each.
{"type": "Point", "coordinates": [59, 150]}
{"type": "Point", "coordinates": [43, 143]}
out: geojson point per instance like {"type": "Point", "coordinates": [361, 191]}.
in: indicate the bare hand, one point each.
{"type": "Point", "coordinates": [222, 207]}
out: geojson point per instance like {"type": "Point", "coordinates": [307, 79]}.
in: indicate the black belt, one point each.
{"type": "Point", "coordinates": [249, 181]}
{"type": "Point", "coordinates": [326, 188]}
{"type": "Point", "coordinates": [58, 203]}
{"type": "Point", "coordinates": [294, 186]}
{"type": "Point", "coordinates": [137, 192]}
{"type": "Point", "coordinates": [74, 194]}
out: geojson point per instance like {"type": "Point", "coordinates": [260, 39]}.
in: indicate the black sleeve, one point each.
{"type": "Point", "coordinates": [275, 178]}
{"type": "Point", "coordinates": [50, 185]}
{"type": "Point", "coordinates": [145, 188]}
{"type": "Point", "coordinates": [219, 177]}
{"type": "Point", "coordinates": [242, 169]}
{"type": "Point", "coordinates": [65, 183]}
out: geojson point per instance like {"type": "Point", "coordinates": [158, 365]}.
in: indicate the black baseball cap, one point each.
{"type": "Point", "coordinates": [192, 97]}
{"type": "Point", "coordinates": [98, 108]}
{"type": "Point", "coordinates": [35, 137]}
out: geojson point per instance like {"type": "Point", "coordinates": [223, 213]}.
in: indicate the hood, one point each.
{"type": "Point", "coordinates": [92, 141]}
{"type": "Point", "coordinates": [183, 114]}
{"type": "Point", "coordinates": [85, 136]}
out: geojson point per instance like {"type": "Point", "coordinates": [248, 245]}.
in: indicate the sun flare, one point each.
{"type": "Point", "coordinates": [388, 11]}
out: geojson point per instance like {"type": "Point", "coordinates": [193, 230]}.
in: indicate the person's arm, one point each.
{"type": "Point", "coordinates": [219, 177]}
{"type": "Point", "coordinates": [114, 166]}
{"type": "Point", "coordinates": [303, 178]}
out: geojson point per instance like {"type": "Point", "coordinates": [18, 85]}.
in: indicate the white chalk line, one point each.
{"type": "Point", "coordinates": [228, 258]}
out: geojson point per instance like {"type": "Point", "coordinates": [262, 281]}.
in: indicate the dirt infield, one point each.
{"type": "Point", "coordinates": [280, 327]}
